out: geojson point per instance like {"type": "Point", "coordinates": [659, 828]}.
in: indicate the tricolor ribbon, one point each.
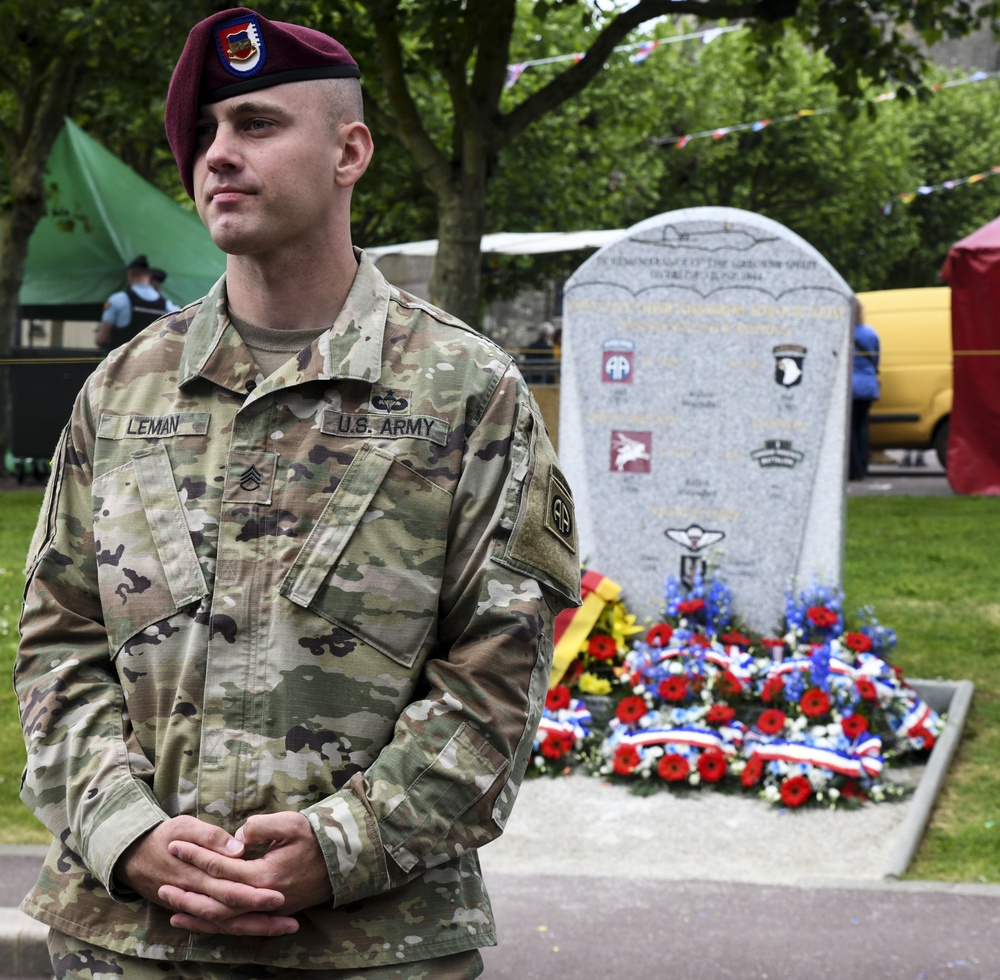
{"type": "Point", "coordinates": [863, 760]}
{"type": "Point", "coordinates": [701, 738]}
{"type": "Point", "coordinates": [575, 720]}
{"type": "Point", "coordinates": [915, 717]}
{"type": "Point", "coordinates": [573, 626]}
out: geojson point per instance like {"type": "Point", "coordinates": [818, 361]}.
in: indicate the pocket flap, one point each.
{"type": "Point", "coordinates": [169, 528]}
{"type": "Point", "coordinates": [341, 515]}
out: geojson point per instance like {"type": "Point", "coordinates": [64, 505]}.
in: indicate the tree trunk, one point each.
{"type": "Point", "coordinates": [46, 98]}
{"type": "Point", "coordinates": [24, 210]}
{"type": "Point", "coordinates": [455, 283]}
{"type": "Point", "coordinates": [20, 218]}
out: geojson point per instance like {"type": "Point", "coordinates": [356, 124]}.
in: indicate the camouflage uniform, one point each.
{"type": "Point", "coordinates": [332, 594]}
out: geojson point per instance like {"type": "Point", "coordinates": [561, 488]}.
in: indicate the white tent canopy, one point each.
{"type": "Point", "coordinates": [511, 243]}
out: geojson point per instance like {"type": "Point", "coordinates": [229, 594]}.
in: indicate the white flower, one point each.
{"type": "Point", "coordinates": [695, 778]}
{"type": "Point", "coordinates": [818, 778]}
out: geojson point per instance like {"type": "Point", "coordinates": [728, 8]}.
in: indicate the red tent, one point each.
{"type": "Point", "coordinates": [972, 269]}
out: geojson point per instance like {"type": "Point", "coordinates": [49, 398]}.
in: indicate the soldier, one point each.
{"type": "Point", "coordinates": [287, 627]}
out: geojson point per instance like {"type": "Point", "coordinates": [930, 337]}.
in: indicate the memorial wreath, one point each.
{"type": "Point", "coordinates": [813, 715]}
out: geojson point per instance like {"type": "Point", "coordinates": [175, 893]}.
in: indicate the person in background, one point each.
{"type": "Point", "coordinates": [539, 357]}
{"type": "Point", "coordinates": [130, 310]}
{"type": "Point", "coordinates": [287, 627]}
{"type": "Point", "coordinates": [157, 277]}
{"type": "Point", "coordinates": [864, 390]}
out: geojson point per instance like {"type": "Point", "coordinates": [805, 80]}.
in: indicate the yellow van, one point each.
{"type": "Point", "coordinates": [914, 329]}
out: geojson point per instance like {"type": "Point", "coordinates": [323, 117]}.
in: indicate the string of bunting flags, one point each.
{"type": "Point", "coordinates": [908, 196]}
{"type": "Point", "coordinates": [679, 142]}
{"type": "Point", "coordinates": [641, 50]}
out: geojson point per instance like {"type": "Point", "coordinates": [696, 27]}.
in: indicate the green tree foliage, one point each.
{"type": "Point", "coordinates": [953, 136]}
{"type": "Point", "coordinates": [463, 48]}
{"type": "Point", "coordinates": [461, 153]}
{"type": "Point", "coordinates": [54, 54]}
{"type": "Point", "coordinates": [820, 173]}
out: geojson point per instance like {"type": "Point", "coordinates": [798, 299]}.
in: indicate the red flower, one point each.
{"type": "Point", "coordinates": [858, 642]}
{"type": "Point", "coordinates": [690, 606]}
{"type": "Point", "coordinates": [736, 639]}
{"type": "Point", "coordinates": [866, 689]}
{"type": "Point", "coordinates": [795, 790]}
{"type": "Point", "coordinates": [921, 732]}
{"type": "Point", "coordinates": [659, 635]}
{"type": "Point", "coordinates": [631, 709]}
{"type": "Point", "coordinates": [557, 698]}
{"type": "Point", "coordinates": [728, 684]}
{"type": "Point", "coordinates": [556, 744]}
{"type": "Point", "coordinates": [815, 703]}
{"type": "Point", "coordinates": [626, 760]}
{"type": "Point", "coordinates": [712, 765]}
{"type": "Point", "coordinates": [673, 767]}
{"type": "Point", "coordinates": [752, 771]}
{"type": "Point", "coordinates": [821, 616]}
{"type": "Point", "coordinates": [573, 672]}
{"type": "Point", "coordinates": [773, 689]}
{"type": "Point", "coordinates": [854, 725]}
{"type": "Point", "coordinates": [699, 640]}
{"type": "Point", "coordinates": [673, 688]}
{"type": "Point", "coordinates": [851, 790]}
{"type": "Point", "coordinates": [772, 643]}
{"type": "Point", "coordinates": [771, 721]}
{"type": "Point", "coordinates": [720, 714]}
{"type": "Point", "coordinates": [602, 648]}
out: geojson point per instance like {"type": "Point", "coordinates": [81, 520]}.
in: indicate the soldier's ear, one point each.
{"type": "Point", "coordinates": [357, 148]}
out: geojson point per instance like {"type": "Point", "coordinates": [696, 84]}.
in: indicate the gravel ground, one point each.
{"type": "Point", "coordinates": [579, 825]}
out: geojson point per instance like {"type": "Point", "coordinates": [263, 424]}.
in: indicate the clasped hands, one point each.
{"type": "Point", "coordinates": [199, 872]}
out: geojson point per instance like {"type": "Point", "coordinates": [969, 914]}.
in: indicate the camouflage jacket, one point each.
{"type": "Point", "coordinates": [330, 590]}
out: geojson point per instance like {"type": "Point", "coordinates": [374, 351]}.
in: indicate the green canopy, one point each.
{"type": "Point", "coordinates": [100, 215]}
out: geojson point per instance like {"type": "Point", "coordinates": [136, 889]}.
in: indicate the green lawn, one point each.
{"type": "Point", "coordinates": [927, 565]}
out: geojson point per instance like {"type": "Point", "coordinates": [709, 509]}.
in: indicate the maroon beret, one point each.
{"type": "Point", "coordinates": [237, 51]}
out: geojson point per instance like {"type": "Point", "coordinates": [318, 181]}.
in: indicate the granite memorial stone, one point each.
{"type": "Point", "coordinates": [704, 409]}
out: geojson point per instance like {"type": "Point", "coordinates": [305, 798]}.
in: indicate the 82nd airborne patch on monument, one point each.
{"type": "Point", "coordinates": [617, 361]}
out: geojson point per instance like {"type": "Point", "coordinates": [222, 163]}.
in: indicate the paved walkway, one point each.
{"type": "Point", "coordinates": [579, 927]}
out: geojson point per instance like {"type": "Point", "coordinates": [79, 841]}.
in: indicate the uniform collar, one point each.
{"type": "Point", "coordinates": [351, 348]}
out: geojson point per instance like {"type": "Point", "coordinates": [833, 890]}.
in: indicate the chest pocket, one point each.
{"type": "Point", "coordinates": [147, 567]}
{"type": "Point", "coordinates": [373, 563]}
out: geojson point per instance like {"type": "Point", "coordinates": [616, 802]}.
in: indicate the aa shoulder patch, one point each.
{"type": "Point", "coordinates": [559, 516]}
{"type": "Point", "coordinates": [543, 542]}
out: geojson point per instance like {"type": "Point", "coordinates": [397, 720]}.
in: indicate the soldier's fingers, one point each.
{"type": "Point", "coordinates": [282, 826]}
{"type": "Point", "coordinates": [213, 864]}
{"type": "Point", "coordinates": [204, 834]}
{"type": "Point", "coordinates": [220, 900]}
{"type": "Point", "coordinates": [250, 924]}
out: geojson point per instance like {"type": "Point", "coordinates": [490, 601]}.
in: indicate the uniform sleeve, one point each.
{"type": "Point", "coordinates": [117, 310]}
{"type": "Point", "coordinates": [447, 781]}
{"type": "Point", "coordinates": [84, 776]}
